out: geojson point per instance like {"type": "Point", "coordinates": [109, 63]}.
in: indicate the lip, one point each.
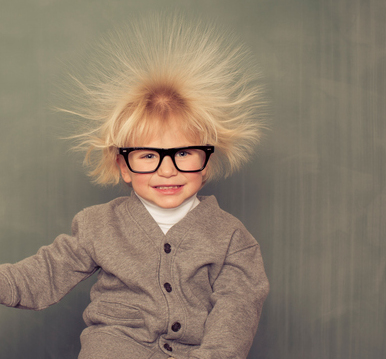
{"type": "Point", "coordinates": [168, 189]}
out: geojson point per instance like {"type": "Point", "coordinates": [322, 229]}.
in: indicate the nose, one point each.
{"type": "Point", "coordinates": [167, 168]}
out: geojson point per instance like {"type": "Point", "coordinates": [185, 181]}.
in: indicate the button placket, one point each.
{"type": "Point", "coordinates": [174, 326]}
{"type": "Point", "coordinates": [167, 249]}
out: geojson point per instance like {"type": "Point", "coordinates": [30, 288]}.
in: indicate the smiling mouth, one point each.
{"type": "Point", "coordinates": [168, 187]}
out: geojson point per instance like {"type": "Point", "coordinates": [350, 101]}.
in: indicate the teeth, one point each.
{"type": "Point", "coordinates": [167, 187]}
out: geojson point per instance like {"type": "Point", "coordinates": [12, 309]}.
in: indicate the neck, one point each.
{"type": "Point", "coordinates": [168, 217]}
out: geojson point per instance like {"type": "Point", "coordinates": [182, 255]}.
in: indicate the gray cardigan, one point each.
{"type": "Point", "coordinates": [196, 292]}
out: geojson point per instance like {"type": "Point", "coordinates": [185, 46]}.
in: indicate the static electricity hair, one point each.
{"type": "Point", "coordinates": [166, 71]}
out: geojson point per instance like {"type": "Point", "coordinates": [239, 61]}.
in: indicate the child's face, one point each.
{"type": "Point", "coordinates": [167, 187]}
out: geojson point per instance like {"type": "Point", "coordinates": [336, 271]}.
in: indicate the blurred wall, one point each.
{"type": "Point", "coordinates": [314, 196]}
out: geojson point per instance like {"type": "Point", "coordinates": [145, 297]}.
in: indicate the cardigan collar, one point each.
{"type": "Point", "coordinates": [168, 217]}
{"type": "Point", "coordinates": [201, 213]}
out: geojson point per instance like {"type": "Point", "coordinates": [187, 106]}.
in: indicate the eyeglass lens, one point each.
{"type": "Point", "coordinates": [185, 160]}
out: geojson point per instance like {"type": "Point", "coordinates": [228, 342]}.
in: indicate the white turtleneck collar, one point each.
{"type": "Point", "coordinates": [166, 218]}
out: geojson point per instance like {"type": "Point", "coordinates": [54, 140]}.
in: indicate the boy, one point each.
{"type": "Point", "coordinates": [177, 276]}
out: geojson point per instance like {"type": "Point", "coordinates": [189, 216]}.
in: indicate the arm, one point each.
{"type": "Point", "coordinates": [238, 295]}
{"type": "Point", "coordinates": [43, 279]}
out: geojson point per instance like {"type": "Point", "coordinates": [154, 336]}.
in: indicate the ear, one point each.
{"type": "Point", "coordinates": [204, 173]}
{"type": "Point", "coordinates": [125, 172]}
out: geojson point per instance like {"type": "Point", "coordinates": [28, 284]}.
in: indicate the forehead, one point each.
{"type": "Point", "coordinates": [166, 134]}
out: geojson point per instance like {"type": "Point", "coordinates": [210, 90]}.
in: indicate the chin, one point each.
{"type": "Point", "coordinates": [169, 205]}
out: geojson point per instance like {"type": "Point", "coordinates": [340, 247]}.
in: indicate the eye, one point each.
{"type": "Point", "coordinates": [148, 156]}
{"type": "Point", "coordinates": [143, 155]}
{"type": "Point", "coordinates": [183, 153]}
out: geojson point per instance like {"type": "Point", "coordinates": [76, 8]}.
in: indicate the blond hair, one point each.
{"type": "Point", "coordinates": [164, 67]}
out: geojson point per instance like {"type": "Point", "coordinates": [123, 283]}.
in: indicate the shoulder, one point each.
{"type": "Point", "coordinates": [221, 223]}
{"type": "Point", "coordinates": [111, 206]}
{"type": "Point", "coordinates": [113, 219]}
{"type": "Point", "coordinates": [210, 210]}
{"type": "Point", "coordinates": [101, 214]}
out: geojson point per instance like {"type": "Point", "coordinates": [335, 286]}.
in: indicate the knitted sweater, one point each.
{"type": "Point", "coordinates": [196, 292]}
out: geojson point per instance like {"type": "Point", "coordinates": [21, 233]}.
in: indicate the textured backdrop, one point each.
{"type": "Point", "coordinates": [314, 196]}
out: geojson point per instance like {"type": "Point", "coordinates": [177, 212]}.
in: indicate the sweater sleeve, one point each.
{"type": "Point", "coordinates": [238, 296]}
{"type": "Point", "coordinates": [43, 279]}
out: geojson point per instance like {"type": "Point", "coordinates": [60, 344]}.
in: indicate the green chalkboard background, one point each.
{"type": "Point", "coordinates": [314, 195]}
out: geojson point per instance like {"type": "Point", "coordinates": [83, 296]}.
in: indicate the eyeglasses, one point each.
{"type": "Point", "coordinates": [148, 159]}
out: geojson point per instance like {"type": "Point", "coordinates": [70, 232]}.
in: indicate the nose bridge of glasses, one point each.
{"type": "Point", "coordinates": [170, 152]}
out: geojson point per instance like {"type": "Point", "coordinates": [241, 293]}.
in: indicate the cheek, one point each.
{"type": "Point", "coordinates": [196, 179]}
{"type": "Point", "coordinates": [140, 181]}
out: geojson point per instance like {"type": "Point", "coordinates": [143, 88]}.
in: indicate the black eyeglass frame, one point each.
{"type": "Point", "coordinates": [124, 151]}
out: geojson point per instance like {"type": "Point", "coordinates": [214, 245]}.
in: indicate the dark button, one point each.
{"type": "Point", "coordinates": [167, 248]}
{"type": "Point", "coordinates": [168, 347]}
{"type": "Point", "coordinates": [176, 327]}
{"type": "Point", "coordinates": [168, 287]}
